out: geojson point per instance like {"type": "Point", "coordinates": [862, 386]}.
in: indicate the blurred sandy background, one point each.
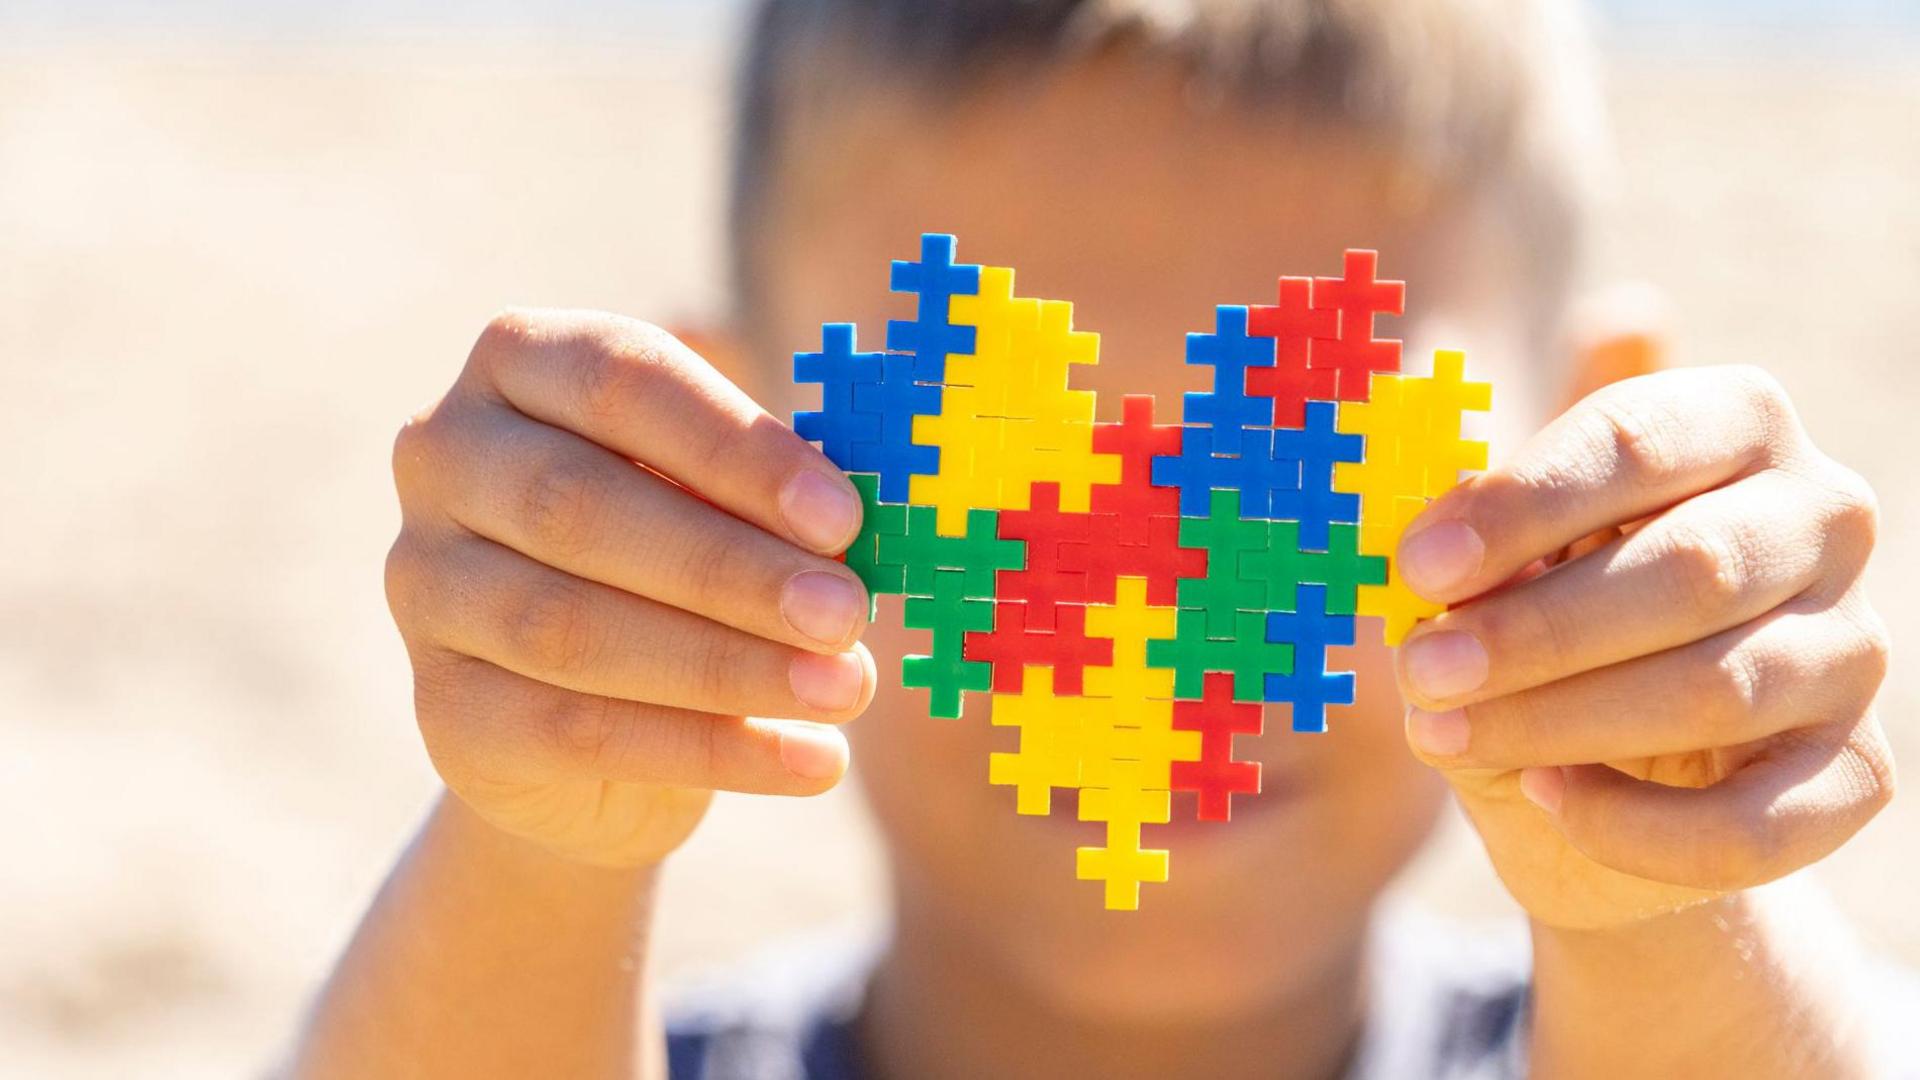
{"type": "Point", "coordinates": [231, 262]}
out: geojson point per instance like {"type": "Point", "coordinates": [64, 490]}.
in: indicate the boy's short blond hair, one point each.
{"type": "Point", "coordinates": [1494, 101]}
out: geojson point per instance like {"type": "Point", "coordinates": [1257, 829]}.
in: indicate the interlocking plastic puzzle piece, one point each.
{"type": "Point", "coordinates": [1051, 742]}
{"type": "Point", "coordinates": [1247, 654]}
{"type": "Point", "coordinates": [1205, 465]}
{"type": "Point", "coordinates": [1128, 798]}
{"type": "Point", "coordinates": [1284, 564]}
{"type": "Point", "coordinates": [1008, 417]}
{"type": "Point", "coordinates": [877, 519]}
{"type": "Point", "coordinates": [1122, 865]}
{"type": "Point", "coordinates": [1216, 776]}
{"type": "Point", "coordinates": [1441, 399]}
{"type": "Point", "coordinates": [931, 336]}
{"type": "Point", "coordinates": [1045, 581]}
{"type": "Point", "coordinates": [1309, 688]}
{"type": "Point", "coordinates": [1136, 440]}
{"type": "Point", "coordinates": [845, 434]}
{"type": "Point", "coordinates": [1015, 646]}
{"type": "Point", "coordinates": [1293, 322]}
{"type": "Point", "coordinates": [1111, 553]}
{"type": "Point", "coordinates": [1317, 448]}
{"type": "Point", "coordinates": [946, 673]}
{"type": "Point", "coordinates": [1381, 479]}
{"type": "Point", "coordinates": [1358, 295]}
{"type": "Point", "coordinates": [1395, 602]}
{"type": "Point", "coordinates": [1133, 593]}
{"type": "Point", "coordinates": [1148, 750]}
{"type": "Point", "coordinates": [1130, 623]}
{"type": "Point", "coordinates": [979, 551]}
{"type": "Point", "coordinates": [1231, 352]}
{"type": "Point", "coordinates": [974, 461]}
{"type": "Point", "coordinates": [1228, 539]}
{"type": "Point", "coordinates": [895, 398]}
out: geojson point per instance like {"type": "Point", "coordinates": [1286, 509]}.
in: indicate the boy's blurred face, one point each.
{"type": "Point", "coordinates": [1107, 186]}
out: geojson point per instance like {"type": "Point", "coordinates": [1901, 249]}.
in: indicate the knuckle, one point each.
{"type": "Point", "coordinates": [504, 335]}
{"type": "Point", "coordinates": [1644, 443]}
{"type": "Point", "coordinates": [1706, 570]}
{"type": "Point", "coordinates": [626, 364]}
{"type": "Point", "coordinates": [1736, 681]}
{"type": "Point", "coordinates": [1876, 645]}
{"type": "Point", "coordinates": [561, 506]}
{"type": "Point", "coordinates": [1547, 637]}
{"type": "Point", "coordinates": [713, 564]}
{"type": "Point", "coordinates": [1870, 766]}
{"type": "Point", "coordinates": [1764, 397]}
{"type": "Point", "coordinates": [1857, 507]}
{"type": "Point", "coordinates": [1743, 847]}
{"type": "Point", "coordinates": [401, 575]}
{"type": "Point", "coordinates": [550, 626]}
{"type": "Point", "coordinates": [583, 728]}
{"type": "Point", "coordinates": [415, 450]}
{"type": "Point", "coordinates": [1510, 729]}
{"type": "Point", "coordinates": [712, 671]}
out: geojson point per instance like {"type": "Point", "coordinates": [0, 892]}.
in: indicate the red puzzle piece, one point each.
{"type": "Point", "coordinates": [1045, 582]}
{"type": "Point", "coordinates": [1354, 353]}
{"type": "Point", "coordinates": [1291, 382]}
{"type": "Point", "coordinates": [1110, 554]}
{"type": "Point", "coordinates": [1137, 440]}
{"type": "Point", "coordinates": [1014, 644]}
{"type": "Point", "coordinates": [1216, 777]}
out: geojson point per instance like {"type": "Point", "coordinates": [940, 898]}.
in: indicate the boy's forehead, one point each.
{"type": "Point", "coordinates": [1108, 185]}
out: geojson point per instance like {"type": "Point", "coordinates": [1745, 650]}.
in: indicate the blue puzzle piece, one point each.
{"type": "Point", "coordinates": [930, 336]}
{"type": "Point", "coordinates": [1310, 498]}
{"type": "Point", "coordinates": [1310, 687]}
{"type": "Point", "coordinates": [1248, 468]}
{"type": "Point", "coordinates": [896, 399]}
{"type": "Point", "coordinates": [1230, 352]}
{"type": "Point", "coordinates": [839, 426]}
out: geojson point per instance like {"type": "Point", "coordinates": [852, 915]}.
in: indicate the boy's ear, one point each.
{"type": "Point", "coordinates": [1617, 333]}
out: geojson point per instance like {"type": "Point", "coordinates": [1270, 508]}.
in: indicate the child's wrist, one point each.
{"type": "Point", "coordinates": [498, 853]}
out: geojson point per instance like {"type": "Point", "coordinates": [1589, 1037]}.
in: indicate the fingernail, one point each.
{"type": "Point", "coordinates": [812, 752]}
{"type": "Point", "coordinates": [1444, 664]}
{"type": "Point", "coordinates": [1544, 787]}
{"type": "Point", "coordinates": [823, 513]}
{"type": "Point", "coordinates": [1438, 734]}
{"type": "Point", "coordinates": [1441, 557]}
{"type": "Point", "coordinates": [823, 606]}
{"type": "Point", "coordinates": [828, 683]}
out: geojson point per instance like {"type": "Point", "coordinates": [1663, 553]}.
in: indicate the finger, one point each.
{"type": "Point", "coordinates": [499, 724]}
{"type": "Point", "coordinates": [1807, 663]}
{"type": "Point", "coordinates": [1793, 804]}
{"type": "Point", "coordinates": [581, 508]}
{"type": "Point", "coordinates": [495, 604]}
{"type": "Point", "coordinates": [637, 391]}
{"type": "Point", "coordinates": [1627, 451]}
{"type": "Point", "coordinates": [1703, 567]}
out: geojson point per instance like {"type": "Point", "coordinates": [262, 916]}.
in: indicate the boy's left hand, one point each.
{"type": "Point", "coordinates": [1656, 682]}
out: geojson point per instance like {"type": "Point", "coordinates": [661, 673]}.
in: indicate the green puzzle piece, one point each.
{"type": "Point", "coordinates": [979, 554]}
{"type": "Point", "coordinates": [1281, 567]}
{"type": "Point", "coordinates": [877, 519]}
{"type": "Point", "coordinates": [949, 611]}
{"type": "Point", "coordinates": [1248, 655]}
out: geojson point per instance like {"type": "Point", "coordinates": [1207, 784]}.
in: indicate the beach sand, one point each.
{"type": "Point", "coordinates": [227, 273]}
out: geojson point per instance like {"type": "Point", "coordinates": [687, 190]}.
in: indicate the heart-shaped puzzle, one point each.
{"type": "Point", "coordinates": [1131, 594]}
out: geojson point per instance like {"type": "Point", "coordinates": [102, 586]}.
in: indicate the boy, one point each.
{"type": "Point", "coordinates": [590, 640]}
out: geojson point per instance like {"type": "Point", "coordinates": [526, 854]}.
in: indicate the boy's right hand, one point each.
{"type": "Point", "coordinates": [589, 635]}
